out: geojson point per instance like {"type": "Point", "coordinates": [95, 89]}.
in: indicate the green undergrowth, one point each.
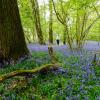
{"type": "Point", "coordinates": [36, 60]}
{"type": "Point", "coordinates": [73, 84]}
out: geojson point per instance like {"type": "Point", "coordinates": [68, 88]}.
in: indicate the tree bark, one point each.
{"type": "Point", "coordinates": [12, 40]}
{"type": "Point", "coordinates": [50, 23]}
{"type": "Point", "coordinates": [35, 8]}
{"type": "Point", "coordinates": [52, 55]}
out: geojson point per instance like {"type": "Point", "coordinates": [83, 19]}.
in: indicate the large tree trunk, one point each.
{"type": "Point", "coordinates": [12, 41]}
{"type": "Point", "coordinates": [50, 23]}
{"type": "Point", "coordinates": [35, 8]}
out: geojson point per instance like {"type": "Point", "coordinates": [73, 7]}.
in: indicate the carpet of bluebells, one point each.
{"type": "Point", "coordinates": [77, 79]}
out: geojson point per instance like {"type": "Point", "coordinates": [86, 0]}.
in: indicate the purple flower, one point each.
{"type": "Point", "coordinates": [81, 87]}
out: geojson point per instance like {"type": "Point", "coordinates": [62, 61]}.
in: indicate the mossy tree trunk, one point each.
{"type": "Point", "coordinates": [50, 23]}
{"type": "Point", "coordinates": [36, 14]}
{"type": "Point", "coordinates": [12, 40]}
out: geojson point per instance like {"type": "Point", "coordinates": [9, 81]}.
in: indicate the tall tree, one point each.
{"type": "Point", "coordinates": [26, 14]}
{"type": "Point", "coordinates": [79, 13]}
{"type": "Point", "coordinates": [64, 19]}
{"type": "Point", "coordinates": [50, 23]}
{"type": "Point", "coordinates": [36, 14]}
{"type": "Point", "coordinates": [12, 41]}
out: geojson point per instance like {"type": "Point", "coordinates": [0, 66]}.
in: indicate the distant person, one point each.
{"type": "Point", "coordinates": [58, 39]}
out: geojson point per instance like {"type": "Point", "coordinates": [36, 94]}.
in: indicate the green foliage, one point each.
{"type": "Point", "coordinates": [51, 86]}
{"type": "Point", "coordinates": [27, 18]}
{"type": "Point", "coordinates": [67, 10]}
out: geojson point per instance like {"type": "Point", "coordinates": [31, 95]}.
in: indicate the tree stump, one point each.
{"type": "Point", "coordinates": [52, 55]}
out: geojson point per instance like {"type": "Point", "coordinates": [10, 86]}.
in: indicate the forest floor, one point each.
{"type": "Point", "coordinates": [89, 46]}
{"type": "Point", "coordinates": [76, 79]}
{"type": "Point", "coordinates": [86, 54]}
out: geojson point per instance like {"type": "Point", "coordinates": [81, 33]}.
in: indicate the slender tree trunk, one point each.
{"type": "Point", "coordinates": [44, 17]}
{"type": "Point", "coordinates": [62, 19]}
{"type": "Point", "coordinates": [64, 36]}
{"type": "Point", "coordinates": [35, 8]}
{"type": "Point", "coordinates": [78, 35]}
{"type": "Point", "coordinates": [50, 23]}
{"type": "Point", "coordinates": [12, 40]}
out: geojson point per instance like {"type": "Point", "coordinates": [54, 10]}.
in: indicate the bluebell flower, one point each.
{"type": "Point", "coordinates": [81, 87]}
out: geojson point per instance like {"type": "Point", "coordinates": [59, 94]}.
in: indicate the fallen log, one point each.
{"type": "Point", "coordinates": [44, 68]}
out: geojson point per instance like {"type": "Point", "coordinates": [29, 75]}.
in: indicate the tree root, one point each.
{"type": "Point", "coordinates": [42, 69]}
